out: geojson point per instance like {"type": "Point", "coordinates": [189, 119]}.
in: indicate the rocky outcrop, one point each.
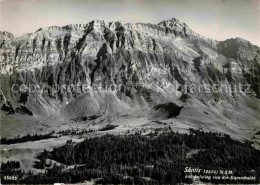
{"type": "Point", "coordinates": [165, 111]}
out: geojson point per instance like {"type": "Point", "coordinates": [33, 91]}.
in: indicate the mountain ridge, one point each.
{"type": "Point", "coordinates": [162, 23]}
{"type": "Point", "coordinates": [171, 27]}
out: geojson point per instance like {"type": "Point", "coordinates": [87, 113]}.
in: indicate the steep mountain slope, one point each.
{"type": "Point", "coordinates": [114, 70]}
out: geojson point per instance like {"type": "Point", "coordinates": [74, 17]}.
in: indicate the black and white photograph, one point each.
{"type": "Point", "coordinates": [129, 92]}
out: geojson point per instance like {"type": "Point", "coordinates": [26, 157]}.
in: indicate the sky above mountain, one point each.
{"type": "Point", "coordinates": [216, 19]}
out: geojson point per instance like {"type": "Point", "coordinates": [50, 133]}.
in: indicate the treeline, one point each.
{"type": "Point", "coordinates": [75, 132]}
{"type": "Point", "coordinates": [10, 165]}
{"type": "Point", "coordinates": [27, 138]}
{"type": "Point", "coordinates": [37, 137]}
{"type": "Point", "coordinates": [108, 127]}
{"type": "Point", "coordinates": [138, 159]}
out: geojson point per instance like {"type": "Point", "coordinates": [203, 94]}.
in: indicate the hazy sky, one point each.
{"type": "Point", "coordinates": [216, 19]}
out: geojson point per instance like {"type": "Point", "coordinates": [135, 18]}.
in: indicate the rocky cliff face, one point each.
{"type": "Point", "coordinates": [118, 69]}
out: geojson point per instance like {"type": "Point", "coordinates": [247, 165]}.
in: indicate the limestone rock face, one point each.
{"type": "Point", "coordinates": [142, 64]}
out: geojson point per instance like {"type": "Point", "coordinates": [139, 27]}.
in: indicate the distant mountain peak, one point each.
{"type": "Point", "coordinates": [173, 21]}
